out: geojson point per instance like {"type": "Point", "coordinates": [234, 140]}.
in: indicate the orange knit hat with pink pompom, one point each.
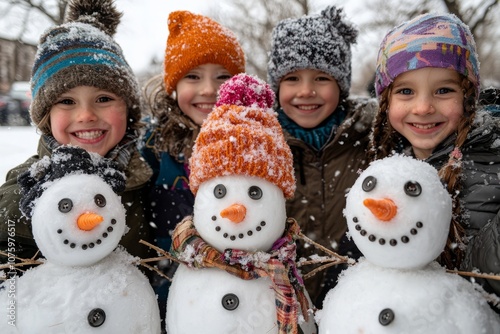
{"type": "Point", "coordinates": [195, 40]}
{"type": "Point", "coordinates": [242, 136]}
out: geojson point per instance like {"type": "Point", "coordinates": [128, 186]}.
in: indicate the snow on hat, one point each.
{"type": "Point", "coordinates": [428, 40]}
{"type": "Point", "coordinates": [65, 160]}
{"type": "Point", "coordinates": [242, 136]}
{"type": "Point", "coordinates": [195, 40]}
{"type": "Point", "coordinates": [321, 42]}
{"type": "Point", "coordinates": [82, 52]}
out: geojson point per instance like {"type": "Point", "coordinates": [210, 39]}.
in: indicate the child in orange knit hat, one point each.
{"type": "Point", "coordinates": [200, 55]}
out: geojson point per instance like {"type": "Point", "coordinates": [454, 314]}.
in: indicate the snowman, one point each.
{"type": "Point", "coordinates": [237, 251]}
{"type": "Point", "coordinates": [398, 214]}
{"type": "Point", "coordinates": [86, 284]}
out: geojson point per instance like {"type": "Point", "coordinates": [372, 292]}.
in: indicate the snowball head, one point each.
{"type": "Point", "coordinates": [57, 211]}
{"type": "Point", "coordinates": [264, 213]}
{"type": "Point", "coordinates": [398, 213]}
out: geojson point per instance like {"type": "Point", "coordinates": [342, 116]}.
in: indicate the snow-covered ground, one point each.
{"type": "Point", "coordinates": [17, 143]}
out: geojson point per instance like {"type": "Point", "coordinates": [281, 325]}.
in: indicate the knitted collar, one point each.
{"type": "Point", "coordinates": [318, 136]}
{"type": "Point", "coordinates": [278, 265]}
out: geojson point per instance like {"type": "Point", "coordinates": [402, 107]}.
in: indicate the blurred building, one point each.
{"type": "Point", "coordinates": [16, 60]}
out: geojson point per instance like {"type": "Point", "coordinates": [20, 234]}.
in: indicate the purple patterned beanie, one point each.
{"type": "Point", "coordinates": [428, 40]}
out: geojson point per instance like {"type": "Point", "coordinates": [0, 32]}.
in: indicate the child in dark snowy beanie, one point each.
{"type": "Point", "coordinates": [310, 71]}
{"type": "Point", "coordinates": [200, 55]}
{"type": "Point", "coordinates": [84, 94]}
{"type": "Point", "coordinates": [428, 84]}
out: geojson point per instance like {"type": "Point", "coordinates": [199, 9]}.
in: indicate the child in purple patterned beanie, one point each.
{"type": "Point", "coordinates": [427, 82]}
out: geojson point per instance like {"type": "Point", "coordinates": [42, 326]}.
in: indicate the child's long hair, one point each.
{"type": "Point", "coordinates": [175, 132]}
{"type": "Point", "coordinates": [386, 141]}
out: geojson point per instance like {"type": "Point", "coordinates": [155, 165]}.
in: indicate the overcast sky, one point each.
{"type": "Point", "coordinates": [143, 30]}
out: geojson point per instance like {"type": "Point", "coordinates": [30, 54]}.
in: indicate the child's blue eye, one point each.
{"type": "Point", "coordinates": [404, 91]}
{"type": "Point", "coordinates": [444, 90]}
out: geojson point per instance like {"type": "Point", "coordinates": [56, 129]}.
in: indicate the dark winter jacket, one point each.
{"type": "Point", "coordinates": [137, 173]}
{"type": "Point", "coordinates": [323, 178]}
{"type": "Point", "coordinates": [480, 194]}
{"type": "Point", "coordinates": [169, 192]}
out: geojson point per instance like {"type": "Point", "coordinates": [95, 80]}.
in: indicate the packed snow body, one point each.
{"type": "Point", "coordinates": [211, 300]}
{"type": "Point", "coordinates": [398, 214]}
{"type": "Point", "coordinates": [85, 285]}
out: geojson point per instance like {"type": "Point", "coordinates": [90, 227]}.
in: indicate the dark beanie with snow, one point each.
{"type": "Point", "coordinates": [82, 52]}
{"type": "Point", "coordinates": [321, 42]}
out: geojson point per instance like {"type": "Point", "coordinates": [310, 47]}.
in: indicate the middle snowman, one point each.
{"type": "Point", "coordinates": [238, 272]}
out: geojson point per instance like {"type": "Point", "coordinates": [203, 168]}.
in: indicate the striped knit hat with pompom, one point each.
{"type": "Point", "coordinates": [82, 52]}
{"type": "Point", "coordinates": [321, 42]}
{"type": "Point", "coordinates": [242, 136]}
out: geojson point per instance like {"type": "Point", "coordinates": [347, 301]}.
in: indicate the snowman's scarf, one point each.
{"type": "Point", "coordinates": [278, 265]}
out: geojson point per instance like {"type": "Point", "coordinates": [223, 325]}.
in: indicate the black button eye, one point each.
{"type": "Point", "coordinates": [255, 192]}
{"type": "Point", "coordinates": [369, 183]}
{"type": "Point", "coordinates": [230, 301]}
{"type": "Point", "coordinates": [219, 191]}
{"type": "Point", "coordinates": [413, 188]}
{"type": "Point", "coordinates": [386, 316]}
{"type": "Point", "coordinates": [65, 205]}
{"type": "Point", "coordinates": [100, 201]}
{"type": "Point", "coordinates": [96, 317]}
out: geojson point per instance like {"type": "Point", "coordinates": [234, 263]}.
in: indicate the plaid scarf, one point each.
{"type": "Point", "coordinates": [278, 265]}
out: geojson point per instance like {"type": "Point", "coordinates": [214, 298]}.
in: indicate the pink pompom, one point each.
{"type": "Point", "coordinates": [245, 90]}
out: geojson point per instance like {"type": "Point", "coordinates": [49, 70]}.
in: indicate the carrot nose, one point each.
{"type": "Point", "coordinates": [87, 221]}
{"type": "Point", "coordinates": [384, 209]}
{"type": "Point", "coordinates": [236, 213]}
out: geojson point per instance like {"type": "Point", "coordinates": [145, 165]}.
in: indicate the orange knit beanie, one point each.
{"type": "Point", "coordinates": [195, 40]}
{"type": "Point", "coordinates": [242, 136]}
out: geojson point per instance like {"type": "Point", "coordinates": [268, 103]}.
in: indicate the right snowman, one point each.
{"type": "Point", "coordinates": [398, 214]}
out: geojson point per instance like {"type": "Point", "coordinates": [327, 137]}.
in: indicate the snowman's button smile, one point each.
{"type": "Point", "coordinates": [240, 235]}
{"type": "Point", "coordinates": [393, 242]}
{"type": "Point", "coordinates": [91, 244]}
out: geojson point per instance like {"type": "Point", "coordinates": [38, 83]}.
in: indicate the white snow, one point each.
{"type": "Point", "coordinates": [18, 143]}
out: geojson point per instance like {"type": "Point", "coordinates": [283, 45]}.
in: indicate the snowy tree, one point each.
{"type": "Point", "coordinates": [253, 21]}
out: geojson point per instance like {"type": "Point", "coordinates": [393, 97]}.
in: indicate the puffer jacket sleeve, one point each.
{"type": "Point", "coordinates": [15, 229]}
{"type": "Point", "coordinates": [482, 200]}
{"type": "Point", "coordinates": [484, 253]}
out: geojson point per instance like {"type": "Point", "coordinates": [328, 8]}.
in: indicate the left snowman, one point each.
{"type": "Point", "coordinates": [86, 284]}
{"type": "Point", "coordinates": [238, 249]}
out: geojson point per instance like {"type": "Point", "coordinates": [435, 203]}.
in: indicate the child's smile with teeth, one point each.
{"type": "Point", "coordinates": [308, 107]}
{"type": "Point", "coordinates": [89, 134]}
{"type": "Point", "coordinates": [424, 126]}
